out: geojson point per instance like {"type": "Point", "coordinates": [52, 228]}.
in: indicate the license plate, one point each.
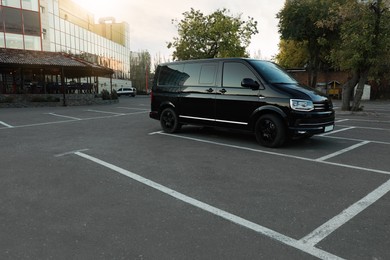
{"type": "Point", "coordinates": [328, 128]}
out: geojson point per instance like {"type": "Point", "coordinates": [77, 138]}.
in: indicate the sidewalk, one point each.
{"type": "Point", "coordinates": [370, 108]}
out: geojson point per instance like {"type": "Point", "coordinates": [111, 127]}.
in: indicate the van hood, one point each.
{"type": "Point", "coordinates": [301, 92]}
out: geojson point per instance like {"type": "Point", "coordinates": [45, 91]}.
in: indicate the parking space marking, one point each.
{"type": "Point", "coordinates": [355, 139]}
{"type": "Point", "coordinates": [69, 117]}
{"type": "Point", "coordinates": [299, 245]}
{"type": "Point", "coordinates": [5, 124]}
{"type": "Point", "coordinates": [132, 108]}
{"type": "Point", "coordinates": [341, 120]}
{"type": "Point", "coordinates": [326, 157]}
{"type": "Point", "coordinates": [337, 131]}
{"type": "Point", "coordinates": [366, 120]}
{"type": "Point", "coordinates": [275, 153]}
{"type": "Point", "coordinates": [105, 112]}
{"type": "Point", "coordinates": [330, 226]}
{"type": "Point", "coordinates": [368, 128]}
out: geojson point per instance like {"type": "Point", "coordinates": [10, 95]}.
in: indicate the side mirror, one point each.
{"type": "Point", "coordinates": [250, 83]}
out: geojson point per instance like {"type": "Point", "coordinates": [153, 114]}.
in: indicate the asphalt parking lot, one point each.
{"type": "Point", "coordinates": [103, 182]}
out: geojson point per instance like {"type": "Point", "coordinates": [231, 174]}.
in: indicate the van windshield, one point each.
{"type": "Point", "coordinates": [272, 73]}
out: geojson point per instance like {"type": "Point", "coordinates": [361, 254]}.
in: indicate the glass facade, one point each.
{"type": "Point", "coordinates": [64, 36]}
{"type": "Point", "coordinates": [20, 25]}
{"type": "Point", "coordinates": [35, 25]}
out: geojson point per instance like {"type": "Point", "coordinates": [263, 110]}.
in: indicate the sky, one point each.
{"type": "Point", "coordinates": [151, 27]}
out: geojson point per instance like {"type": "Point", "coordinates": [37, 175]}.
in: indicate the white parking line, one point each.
{"type": "Point", "coordinates": [69, 117]}
{"type": "Point", "coordinates": [105, 112]}
{"type": "Point", "coordinates": [5, 124]}
{"type": "Point", "coordinates": [341, 120]}
{"type": "Point", "coordinates": [326, 157]}
{"type": "Point", "coordinates": [274, 153]}
{"type": "Point", "coordinates": [337, 131]}
{"type": "Point", "coordinates": [131, 108]}
{"type": "Point", "coordinates": [305, 247]}
{"type": "Point", "coordinates": [330, 226]}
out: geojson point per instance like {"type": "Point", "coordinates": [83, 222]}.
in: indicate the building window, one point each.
{"type": "Point", "coordinates": [32, 43]}
{"type": "Point", "coordinates": [1, 22]}
{"type": "Point", "coordinates": [2, 44]}
{"type": "Point", "coordinates": [12, 3]}
{"type": "Point", "coordinates": [12, 20]}
{"type": "Point", "coordinates": [14, 41]}
{"type": "Point", "coordinates": [31, 23]}
{"type": "Point", "coordinates": [30, 5]}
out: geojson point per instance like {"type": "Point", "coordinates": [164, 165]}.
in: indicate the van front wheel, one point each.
{"type": "Point", "coordinates": [169, 121]}
{"type": "Point", "coordinates": [270, 131]}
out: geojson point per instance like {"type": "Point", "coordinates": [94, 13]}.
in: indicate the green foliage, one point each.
{"type": "Point", "coordinates": [209, 36]}
{"type": "Point", "coordinates": [302, 22]}
{"type": "Point", "coordinates": [292, 54]}
{"type": "Point", "coordinates": [364, 42]}
{"type": "Point", "coordinates": [140, 69]}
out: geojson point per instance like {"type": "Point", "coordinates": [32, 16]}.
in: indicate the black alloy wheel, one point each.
{"type": "Point", "coordinates": [270, 131]}
{"type": "Point", "coordinates": [169, 121]}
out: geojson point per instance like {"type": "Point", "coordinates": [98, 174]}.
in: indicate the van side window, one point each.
{"type": "Point", "coordinates": [234, 73]}
{"type": "Point", "coordinates": [200, 74]}
{"type": "Point", "coordinates": [172, 75]}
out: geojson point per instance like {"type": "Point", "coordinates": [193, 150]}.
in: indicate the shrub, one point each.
{"type": "Point", "coordinates": [45, 99]}
{"type": "Point", "coordinates": [105, 95]}
{"type": "Point", "coordinates": [7, 99]}
{"type": "Point", "coordinates": [114, 95]}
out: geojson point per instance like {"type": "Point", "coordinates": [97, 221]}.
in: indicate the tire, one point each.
{"type": "Point", "coordinates": [270, 131]}
{"type": "Point", "coordinates": [169, 121]}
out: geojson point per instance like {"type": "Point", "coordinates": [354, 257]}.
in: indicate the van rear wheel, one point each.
{"type": "Point", "coordinates": [169, 121]}
{"type": "Point", "coordinates": [270, 131]}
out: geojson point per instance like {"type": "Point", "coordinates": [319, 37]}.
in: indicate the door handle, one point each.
{"type": "Point", "coordinates": [210, 90]}
{"type": "Point", "coordinates": [223, 91]}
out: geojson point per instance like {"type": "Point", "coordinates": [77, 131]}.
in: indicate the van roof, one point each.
{"type": "Point", "coordinates": [212, 59]}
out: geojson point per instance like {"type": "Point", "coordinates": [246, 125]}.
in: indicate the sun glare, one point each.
{"type": "Point", "coordinates": [98, 8]}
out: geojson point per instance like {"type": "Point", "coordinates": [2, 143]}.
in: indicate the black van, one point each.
{"type": "Point", "coordinates": [239, 93]}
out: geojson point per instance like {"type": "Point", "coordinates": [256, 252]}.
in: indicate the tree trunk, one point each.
{"type": "Point", "coordinates": [359, 91]}
{"type": "Point", "coordinates": [347, 92]}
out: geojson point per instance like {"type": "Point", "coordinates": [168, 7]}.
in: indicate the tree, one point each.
{"type": "Point", "coordinates": [292, 54]}
{"type": "Point", "coordinates": [364, 44]}
{"type": "Point", "coordinates": [298, 22]}
{"type": "Point", "coordinates": [209, 36]}
{"type": "Point", "coordinates": [140, 70]}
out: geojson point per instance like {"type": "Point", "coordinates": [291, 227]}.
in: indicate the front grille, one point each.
{"type": "Point", "coordinates": [323, 106]}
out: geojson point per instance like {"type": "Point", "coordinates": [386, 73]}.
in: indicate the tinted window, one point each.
{"type": "Point", "coordinates": [200, 74]}
{"type": "Point", "coordinates": [1, 21]}
{"type": "Point", "coordinates": [272, 73]}
{"type": "Point", "coordinates": [12, 20]}
{"type": "Point", "coordinates": [31, 23]}
{"type": "Point", "coordinates": [172, 75]}
{"type": "Point", "coordinates": [207, 74]}
{"type": "Point", "coordinates": [234, 73]}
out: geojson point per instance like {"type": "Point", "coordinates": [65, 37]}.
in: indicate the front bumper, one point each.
{"type": "Point", "coordinates": [312, 123]}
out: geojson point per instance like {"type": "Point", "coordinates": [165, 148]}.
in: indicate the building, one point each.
{"type": "Point", "coordinates": [63, 26]}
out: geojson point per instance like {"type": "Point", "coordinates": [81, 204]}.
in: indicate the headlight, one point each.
{"type": "Point", "coordinates": [301, 105]}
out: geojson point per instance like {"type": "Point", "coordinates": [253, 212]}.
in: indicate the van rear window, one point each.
{"type": "Point", "coordinates": [172, 75]}
{"type": "Point", "coordinates": [189, 74]}
{"type": "Point", "coordinates": [200, 74]}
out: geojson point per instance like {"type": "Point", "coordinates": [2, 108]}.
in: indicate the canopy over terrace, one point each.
{"type": "Point", "coordinates": [25, 71]}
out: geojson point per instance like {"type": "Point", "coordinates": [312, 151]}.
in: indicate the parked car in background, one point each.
{"type": "Point", "coordinates": [128, 91]}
